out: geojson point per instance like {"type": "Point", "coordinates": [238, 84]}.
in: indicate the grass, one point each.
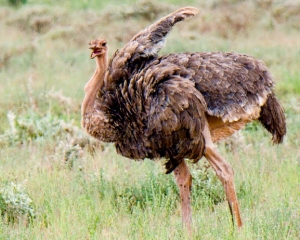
{"type": "Point", "coordinates": [81, 189]}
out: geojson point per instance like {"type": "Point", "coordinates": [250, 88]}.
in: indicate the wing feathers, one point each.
{"type": "Point", "coordinates": [151, 39]}
{"type": "Point", "coordinates": [145, 45]}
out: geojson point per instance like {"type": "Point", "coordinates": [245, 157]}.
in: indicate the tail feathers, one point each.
{"type": "Point", "coordinates": [273, 119]}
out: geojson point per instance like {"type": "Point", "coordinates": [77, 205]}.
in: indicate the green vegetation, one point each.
{"type": "Point", "coordinates": [58, 183]}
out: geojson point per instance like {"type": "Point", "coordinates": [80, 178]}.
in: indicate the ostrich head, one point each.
{"type": "Point", "coordinates": [98, 47]}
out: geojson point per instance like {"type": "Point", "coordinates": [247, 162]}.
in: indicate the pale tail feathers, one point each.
{"type": "Point", "coordinates": [149, 41]}
{"type": "Point", "coordinates": [273, 119]}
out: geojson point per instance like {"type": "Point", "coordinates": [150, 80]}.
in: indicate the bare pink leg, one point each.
{"type": "Point", "coordinates": [184, 183]}
{"type": "Point", "coordinates": [225, 173]}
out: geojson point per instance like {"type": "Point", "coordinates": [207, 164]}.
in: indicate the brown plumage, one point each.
{"type": "Point", "coordinates": [176, 106]}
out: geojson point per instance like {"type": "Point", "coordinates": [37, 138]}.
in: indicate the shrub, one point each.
{"type": "Point", "coordinates": [207, 188]}
{"type": "Point", "coordinates": [15, 204]}
{"type": "Point", "coordinates": [156, 189]}
{"type": "Point", "coordinates": [31, 127]}
{"type": "Point", "coordinates": [16, 2]}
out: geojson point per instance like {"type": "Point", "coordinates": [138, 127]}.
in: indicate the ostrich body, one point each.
{"type": "Point", "coordinates": [178, 105]}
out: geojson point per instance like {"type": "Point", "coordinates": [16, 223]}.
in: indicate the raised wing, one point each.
{"type": "Point", "coordinates": [145, 45]}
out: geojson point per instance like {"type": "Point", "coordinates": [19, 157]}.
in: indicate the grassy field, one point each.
{"type": "Point", "coordinates": [58, 183]}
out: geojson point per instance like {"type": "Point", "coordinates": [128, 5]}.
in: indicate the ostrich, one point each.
{"type": "Point", "coordinates": [178, 105]}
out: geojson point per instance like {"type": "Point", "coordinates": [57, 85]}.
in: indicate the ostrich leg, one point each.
{"type": "Point", "coordinates": [225, 173]}
{"type": "Point", "coordinates": [184, 183]}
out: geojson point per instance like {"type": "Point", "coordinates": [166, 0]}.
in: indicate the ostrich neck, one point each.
{"type": "Point", "coordinates": [93, 86]}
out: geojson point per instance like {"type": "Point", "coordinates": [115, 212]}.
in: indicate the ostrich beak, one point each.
{"type": "Point", "coordinates": [95, 51]}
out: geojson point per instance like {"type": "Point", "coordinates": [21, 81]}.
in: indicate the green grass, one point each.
{"type": "Point", "coordinates": [81, 189]}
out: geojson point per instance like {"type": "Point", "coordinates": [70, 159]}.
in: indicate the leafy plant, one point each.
{"type": "Point", "coordinates": [207, 188]}
{"type": "Point", "coordinates": [25, 129]}
{"type": "Point", "coordinates": [156, 190]}
{"type": "Point", "coordinates": [15, 203]}
{"type": "Point", "coordinates": [16, 2]}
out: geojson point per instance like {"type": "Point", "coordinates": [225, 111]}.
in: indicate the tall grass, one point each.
{"type": "Point", "coordinates": [76, 188]}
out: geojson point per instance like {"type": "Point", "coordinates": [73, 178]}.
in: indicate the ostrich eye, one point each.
{"type": "Point", "coordinates": [103, 44]}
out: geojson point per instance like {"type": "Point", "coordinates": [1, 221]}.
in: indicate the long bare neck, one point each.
{"type": "Point", "coordinates": [93, 86]}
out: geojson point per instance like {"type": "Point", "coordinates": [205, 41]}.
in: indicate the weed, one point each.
{"type": "Point", "coordinates": [16, 2]}
{"type": "Point", "coordinates": [154, 190]}
{"type": "Point", "coordinates": [15, 204]}
{"type": "Point", "coordinates": [207, 188]}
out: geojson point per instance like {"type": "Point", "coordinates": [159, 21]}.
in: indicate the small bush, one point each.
{"type": "Point", "coordinates": [157, 189]}
{"type": "Point", "coordinates": [16, 2]}
{"type": "Point", "coordinates": [34, 128]}
{"type": "Point", "coordinates": [15, 204]}
{"type": "Point", "coordinates": [207, 188]}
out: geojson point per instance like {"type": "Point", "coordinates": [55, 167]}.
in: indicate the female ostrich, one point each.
{"type": "Point", "coordinates": [176, 106]}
